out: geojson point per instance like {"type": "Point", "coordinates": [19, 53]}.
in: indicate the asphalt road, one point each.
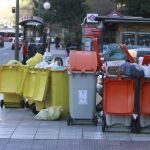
{"type": "Point", "coordinates": [6, 53]}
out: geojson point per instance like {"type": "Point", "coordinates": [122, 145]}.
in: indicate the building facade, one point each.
{"type": "Point", "coordinates": [8, 20]}
{"type": "Point", "coordinates": [126, 29]}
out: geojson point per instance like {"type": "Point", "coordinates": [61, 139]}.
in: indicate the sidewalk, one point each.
{"type": "Point", "coordinates": [21, 124]}
{"type": "Point", "coordinates": [19, 130]}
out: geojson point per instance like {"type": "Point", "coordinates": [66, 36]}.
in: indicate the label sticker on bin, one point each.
{"type": "Point", "coordinates": [82, 97]}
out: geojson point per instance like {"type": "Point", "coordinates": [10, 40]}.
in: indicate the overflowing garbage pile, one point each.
{"type": "Point", "coordinates": [116, 55]}
{"type": "Point", "coordinates": [125, 88]}
{"type": "Point", "coordinates": [46, 61]}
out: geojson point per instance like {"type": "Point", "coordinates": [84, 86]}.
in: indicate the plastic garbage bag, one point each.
{"type": "Point", "coordinates": [13, 62]}
{"type": "Point", "coordinates": [132, 70]}
{"type": "Point", "coordinates": [34, 60]}
{"type": "Point", "coordinates": [55, 66]}
{"type": "Point", "coordinates": [67, 62]}
{"type": "Point", "coordinates": [42, 64]}
{"type": "Point", "coordinates": [51, 113]}
{"type": "Point", "coordinates": [140, 60]}
{"type": "Point", "coordinates": [47, 57]}
{"type": "Point", "coordinates": [146, 70]}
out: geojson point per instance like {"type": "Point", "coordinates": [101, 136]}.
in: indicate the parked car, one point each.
{"type": "Point", "coordinates": [13, 43]}
{"type": "Point", "coordinates": [1, 41]}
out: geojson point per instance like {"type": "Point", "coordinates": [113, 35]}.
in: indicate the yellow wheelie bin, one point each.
{"type": "Point", "coordinates": [35, 87]}
{"type": "Point", "coordinates": [58, 91]}
{"type": "Point", "coordinates": [12, 79]}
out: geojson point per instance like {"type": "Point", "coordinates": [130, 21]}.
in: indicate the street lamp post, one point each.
{"type": "Point", "coordinates": [39, 8]}
{"type": "Point", "coordinates": [47, 6]}
{"type": "Point", "coordinates": [17, 32]}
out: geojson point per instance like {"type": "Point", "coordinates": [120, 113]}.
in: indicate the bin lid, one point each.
{"type": "Point", "coordinates": [146, 60]}
{"type": "Point", "coordinates": [125, 50]}
{"type": "Point", "coordinates": [82, 61]}
{"type": "Point", "coordinates": [112, 102]}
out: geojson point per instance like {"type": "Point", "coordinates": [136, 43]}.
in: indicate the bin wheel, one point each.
{"type": "Point", "coordinates": [2, 103]}
{"type": "Point", "coordinates": [27, 105]}
{"type": "Point", "coordinates": [96, 120]}
{"type": "Point", "coordinates": [69, 120]}
{"type": "Point", "coordinates": [33, 108]}
{"type": "Point", "coordinates": [103, 123]}
{"type": "Point", "coordinates": [22, 103]}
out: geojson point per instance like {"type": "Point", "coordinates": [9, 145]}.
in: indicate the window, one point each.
{"type": "Point", "coordinates": [128, 38]}
{"type": "Point", "coordinates": [143, 39]}
{"type": "Point", "coordinates": [136, 38]}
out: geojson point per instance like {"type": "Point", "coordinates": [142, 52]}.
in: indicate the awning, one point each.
{"type": "Point", "coordinates": [31, 20]}
{"type": "Point", "coordinates": [126, 19]}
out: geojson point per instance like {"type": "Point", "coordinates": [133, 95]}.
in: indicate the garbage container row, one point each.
{"type": "Point", "coordinates": [41, 87]}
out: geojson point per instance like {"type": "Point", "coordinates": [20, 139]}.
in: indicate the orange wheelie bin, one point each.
{"type": "Point", "coordinates": [118, 101]}
{"type": "Point", "coordinates": [145, 97]}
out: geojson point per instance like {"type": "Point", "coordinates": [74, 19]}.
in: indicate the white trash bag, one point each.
{"type": "Point", "coordinates": [51, 113]}
{"type": "Point", "coordinates": [47, 56]}
{"type": "Point", "coordinates": [146, 70]}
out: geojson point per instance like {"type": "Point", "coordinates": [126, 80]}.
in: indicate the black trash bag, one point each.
{"type": "Point", "coordinates": [132, 70]}
{"type": "Point", "coordinates": [135, 125]}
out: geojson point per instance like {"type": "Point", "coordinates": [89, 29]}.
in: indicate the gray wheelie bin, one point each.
{"type": "Point", "coordinates": [82, 90]}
